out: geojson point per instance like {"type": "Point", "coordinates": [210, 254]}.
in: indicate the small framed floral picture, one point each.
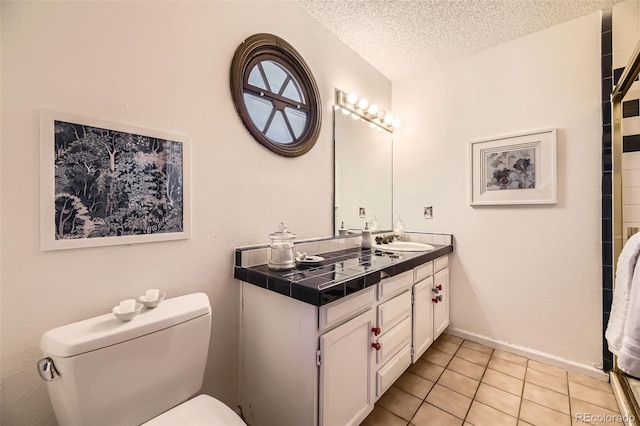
{"type": "Point", "coordinates": [516, 169]}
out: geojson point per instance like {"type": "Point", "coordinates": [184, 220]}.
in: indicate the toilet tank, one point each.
{"type": "Point", "coordinates": [125, 373]}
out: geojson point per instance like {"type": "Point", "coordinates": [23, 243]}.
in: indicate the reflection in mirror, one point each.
{"type": "Point", "coordinates": [363, 173]}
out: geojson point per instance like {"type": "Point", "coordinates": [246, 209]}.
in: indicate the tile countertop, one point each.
{"type": "Point", "coordinates": [342, 273]}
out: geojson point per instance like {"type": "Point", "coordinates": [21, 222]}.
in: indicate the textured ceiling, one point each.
{"type": "Point", "coordinates": [402, 37]}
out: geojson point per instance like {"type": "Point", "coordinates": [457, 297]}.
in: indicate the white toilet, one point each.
{"type": "Point", "coordinates": [102, 371]}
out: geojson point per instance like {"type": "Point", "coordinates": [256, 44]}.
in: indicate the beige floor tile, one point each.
{"type": "Point", "coordinates": [542, 416]}
{"type": "Point", "coordinates": [473, 356]}
{"type": "Point", "coordinates": [483, 415]}
{"type": "Point", "coordinates": [591, 382]}
{"type": "Point", "coordinates": [547, 397]}
{"type": "Point", "coordinates": [506, 367]}
{"type": "Point", "coordinates": [593, 396]}
{"type": "Point", "coordinates": [546, 368]}
{"type": "Point", "coordinates": [523, 423]}
{"type": "Point", "coordinates": [466, 368]}
{"type": "Point", "coordinates": [416, 385]}
{"type": "Point", "coordinates": [508, 356]}
{"type": "Point", "coordinates": [450, 338]}
{"type": "Point", "coordinates": [437, 357]}
{"type": "Point", "coordinates": [449, 401]}
{"type": "Point", "coordinates": [498, 399]}
{"type": "Point", "coordinates": [477, 347]}
{"type": "Point", "coordinates": [381, 417]}
{"type": "Point", "coordinates": [459, 383]}
{"type": "Point", "coordinates": [548, 381]}
{"type": "Point", "coordinates": [583, 412]}
{"type": "Point", "coordinates": [445, 346]}
{"type": "Point", "coordinates": [428, 415]}
{"type": "Point", "coordinates": [503, 381]}
{"type": "Point", "coordinates": [400, 403]}
{"type": "Point", "coordinates": [426, 369]}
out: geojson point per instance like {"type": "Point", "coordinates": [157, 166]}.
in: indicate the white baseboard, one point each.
{"type": "Point", "coordinates": [533, 354]}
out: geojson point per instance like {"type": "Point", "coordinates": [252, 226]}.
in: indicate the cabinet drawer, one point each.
{"type": "Point", "coordinates": [393, 340]}
{"type": "Point", "coordinates": [389, 287]}
{"type": "Point", "coordinates": [423, 271]}
{"type": "Point", "coordinates": [344, 309]}
{"type": "Point", "coordinates": [393, 311]}
{"type": "Point", "coordinates": [388, 374]}
{"type": "Point", "coordinates": [441, 263]}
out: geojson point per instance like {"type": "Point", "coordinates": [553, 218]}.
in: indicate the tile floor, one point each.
{"type": "Point", "coordinates": [460, 382]}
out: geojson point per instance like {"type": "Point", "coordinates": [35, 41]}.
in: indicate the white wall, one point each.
{"type": "Point", "coordinates": [529, 276]}
{"type": "Point", "coordinates": [164, 66]}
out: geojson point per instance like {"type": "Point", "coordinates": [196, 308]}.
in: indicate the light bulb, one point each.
{"type": "Point", "coordinates": [388, 119]}
{"type": "Point", "coordinates": [381, 114]}
{"type": "Point", "coordinates": [373, 109]}
{"type": "Point", "coordinates": [396, 122]}
{"type": "Point", "coordinates": [352, 98]}
{"type": "Point", "coordinates": [363, 103]}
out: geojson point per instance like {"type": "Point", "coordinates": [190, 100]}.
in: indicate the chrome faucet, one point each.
{"type": "Point", "coordinates": [386, 239]}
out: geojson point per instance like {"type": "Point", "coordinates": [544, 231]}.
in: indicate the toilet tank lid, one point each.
{"type": "Point", "coordinates": [106, 330]}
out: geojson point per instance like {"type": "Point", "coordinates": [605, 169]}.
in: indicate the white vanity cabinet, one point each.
{"type": "Point", "coordinates": [440, 295]}
{"type": "Point", "coordinates": [345, 394]}
{"type": "Point", "coordinates": [393, 342]}
{"type": "Point", "coordinates": [302, 364]}
{"type": "Point", "coordinates": [430, 310]}
{"type": "Point", "coordinates": [346, 358]}
{"type": "Point", "coordinates": [422, 318]}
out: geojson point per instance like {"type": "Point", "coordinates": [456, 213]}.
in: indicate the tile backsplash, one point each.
{"type": "Point", "coordinates": [260, 254]}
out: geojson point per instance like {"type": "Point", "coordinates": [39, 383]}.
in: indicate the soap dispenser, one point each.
{"type": "Point", "coordinates": [398, 228]}
{"type": "Point", "coordinates": [366, 237]}
{"type": "Point", "coordinates": [342, 230]}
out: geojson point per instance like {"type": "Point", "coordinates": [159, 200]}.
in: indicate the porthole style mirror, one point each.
{"type": "Point", "coordinates": [275, 95]}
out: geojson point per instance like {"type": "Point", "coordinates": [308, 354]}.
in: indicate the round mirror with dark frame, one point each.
{"type": "Point", "coordinates": [275, 95]}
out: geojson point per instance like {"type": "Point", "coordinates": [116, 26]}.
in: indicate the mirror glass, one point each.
{"type": "Point", "coordinates": [363, 173]}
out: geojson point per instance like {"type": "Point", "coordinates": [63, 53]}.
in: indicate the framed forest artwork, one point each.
{"type": "Point", "coordinates": [104, 183]}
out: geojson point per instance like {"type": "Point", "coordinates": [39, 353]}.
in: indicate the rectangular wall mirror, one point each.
{"type": "Point", "coordinates": [363, 173]}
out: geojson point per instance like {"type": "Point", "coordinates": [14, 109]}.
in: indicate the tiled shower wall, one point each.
{"type": "Point", "coordinates": [620, 34]}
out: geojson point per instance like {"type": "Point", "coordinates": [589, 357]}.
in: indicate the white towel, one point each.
{"type": "Point", "coordinates": [623, 330]}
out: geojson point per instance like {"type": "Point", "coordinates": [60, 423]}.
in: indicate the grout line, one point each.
{"type": "Point", "coordinates": [569, 396]}
{"type": "Point", "coordinates": [424, 400]}
{"type": "Point", "coordinates": [486, 367]}
{"type": "Point", "coordinates": [524, 382]}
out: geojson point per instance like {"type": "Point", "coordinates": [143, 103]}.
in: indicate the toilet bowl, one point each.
{"type": "Point", "coordinates": [102, 371]}
{"type": "Point", "coordinates": [201, 410]}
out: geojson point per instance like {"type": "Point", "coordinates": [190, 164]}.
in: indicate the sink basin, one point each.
{"type": "Point", "coordinates": [404, 246]}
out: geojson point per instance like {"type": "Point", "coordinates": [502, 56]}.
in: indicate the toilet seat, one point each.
{"type": "Point", "coordinates": [202, 410]}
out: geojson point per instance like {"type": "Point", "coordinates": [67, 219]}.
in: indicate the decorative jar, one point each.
{"type": "Point", "coordinates": [282, 250]}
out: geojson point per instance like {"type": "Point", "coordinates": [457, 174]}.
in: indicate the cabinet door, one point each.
{"type": "Point", "coordinates": [346, 372]}
{"type": "Point", "coordinates": [422, 318]}
{"type": "Point", "coordinates": [440, 302]}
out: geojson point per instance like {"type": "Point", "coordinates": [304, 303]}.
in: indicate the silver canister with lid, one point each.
{"type": "Point", "coordinates": [282, 250]}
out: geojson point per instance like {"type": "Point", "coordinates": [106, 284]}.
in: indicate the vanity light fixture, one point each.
{"type": "Point", "coordinates": [360, 108]}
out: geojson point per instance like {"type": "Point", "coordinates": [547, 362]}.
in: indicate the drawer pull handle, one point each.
{"type": "Point", "coordinates": [376, 330]}
{"type": "Point", "coordinates": [439, 286]}
{"type": "Point", "coordinates": [376, 346]}
{"type": "Point", "coordinates": [435, 290]}
{"type": "Point", "coordinates": [437, 299]}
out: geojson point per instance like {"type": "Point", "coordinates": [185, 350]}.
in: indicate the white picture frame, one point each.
{"type": "Point", "coordinates": [105, 183]}
{"type": "Point", "coordinates": [514, 169]}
